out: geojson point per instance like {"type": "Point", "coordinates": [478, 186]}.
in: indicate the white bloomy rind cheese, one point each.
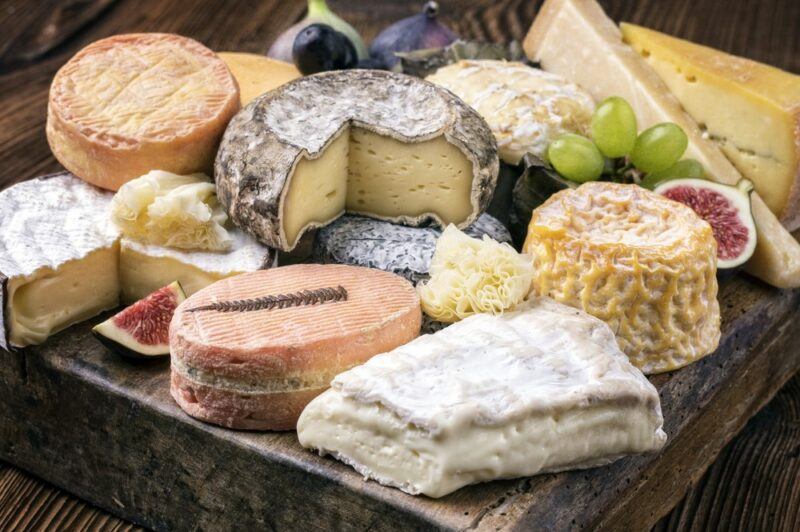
{"type": "Point", "coordinates": [642, 263]}
{"type": "Point", "coordinates": [576, 39]}
{"type": "Point", "coordinates": [368, 142]}
{"type": "Point", "coordinates": [541, 389]}
{"type": "Point", "coordinates": [58, 257]}
{"type": "Point", "coordinates": [145, 268]}
{"type": "Point", "coordinates": [526, 108]}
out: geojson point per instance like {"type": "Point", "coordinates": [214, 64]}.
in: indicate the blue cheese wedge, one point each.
{"type": "Point", "coordinates": [543, 388]}
{"type": "Point", "coordinates": [406, 251]}
{"type": "Point", "coordinates": [145, 268]}
{"type": "Point", "coordinates": [59, 257]}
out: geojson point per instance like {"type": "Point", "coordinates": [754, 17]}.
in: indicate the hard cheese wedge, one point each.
{"type": "Point", "coordinates": [59, 256]}
{"type": "Point", "coordinates": [751, 110]}
{"type": "Point", "coordinates": [542, 388]}
{"type": "Point", "coordinates": [257, 74]}
{"type": "Point", "coordinates": [575, 39]}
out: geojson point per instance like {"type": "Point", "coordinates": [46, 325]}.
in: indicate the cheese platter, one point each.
{"type": "Point", "coordinates": [546, 374]}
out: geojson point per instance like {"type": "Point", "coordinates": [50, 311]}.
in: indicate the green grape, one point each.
{"type": "Point", "coordinates": [614, 127]}
{"type": "Point", "coordinates": [685, 169]}
{"type": "Point", "coordinates": [659, 147]}
{"type": "Point", "coordinates": [576, 158]}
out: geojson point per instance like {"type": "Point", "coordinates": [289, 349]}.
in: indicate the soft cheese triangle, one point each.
{"type": "Point", "coordinates": [59, 256]}
{"type": "Point", "coordinates": [543, 388]}
{"type": "Point", "coordinates": [375, 143]}
{"type": "Point", "coordinates": [577, 40]}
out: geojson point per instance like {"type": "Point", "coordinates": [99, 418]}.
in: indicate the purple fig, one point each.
{"type": "Point", "coordinates": [318, 12]}
{"type": "Point", "coordinates": [416, 32]}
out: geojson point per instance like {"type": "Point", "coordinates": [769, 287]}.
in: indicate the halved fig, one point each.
{"type": "Point", "coordinates": [726, 208]}
{"type": "Point", "coordinates": [142, 329]}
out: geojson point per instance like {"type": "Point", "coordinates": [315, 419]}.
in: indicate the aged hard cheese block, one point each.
{"type": "Point", "coordinates": [384, 145]}
{"type": "Point", "coordinates": [144, 268]}
{"type": "Point", "coordinates": [750, 109]}
{"type": "Point", "coordinates": [59, 257]}
{"type": "Point", "coordinates": [543, 388]}
{"type": "Point", "coordinates": [406, 251]}
{"type": "Point", "coordinates": [129, 104]}
{"type": "Point", "coordinates": [575, 39]}
{"type": "Point", "coordinates": [255, 364]}
{"type": "Point", "coordinates": [642, 263]}
{"type": "Point", "coordinates": [257, 74]}
{"type": "Point", "coordinates": [526, 108]}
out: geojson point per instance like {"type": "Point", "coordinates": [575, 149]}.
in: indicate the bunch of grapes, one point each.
{"type": "Point", "coordinates": [616, 147]}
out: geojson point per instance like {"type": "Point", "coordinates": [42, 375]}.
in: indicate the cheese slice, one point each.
{"type": "Point", "coordinates": [543, 388]}
{"type": "Point", "coordinates": [145, 268]}
{"type": "Point", "coordinates": [750, 109]}
{"type": "Point", "coordinates": [257, 74]}
{"type": "Point", "coordinates": [575, 39]}
{"type": "Point", "coordinates": [59, 256]}
{"type": "Point", "coordinates": [380, 144]}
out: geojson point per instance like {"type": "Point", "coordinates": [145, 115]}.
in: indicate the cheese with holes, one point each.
{"type": "Point", "coordinates": [642, 263]}
{"type": "Point", "coordinates": [59, 257]}
{"type": "Point", "coordinates": [368, 142]}
{"type": "Point", "coordinates": [251, 351]}
{"type": "Point", "coordinates": [406, 251]}
{"type": "Point", "coordinates": [257, 74]}
{"type": "Point", "coordinates": [526, 108]}
{"type": "Point", "coordinates": [751, 110]}
{"type": "Point", "coordinates": [144, 268]}
{"type": "Point", "coordinates": [129, 104]}
{"type": "Point", "coordinates": [543, 388]}
{"type": "Point", "coordinates": [575, 39]}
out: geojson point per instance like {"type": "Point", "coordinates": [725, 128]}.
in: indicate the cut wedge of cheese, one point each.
{"type": "Point", "coordinates": [129, 104]}
{"type": "Point", "coordinates": [575, 39]}
{"type": "Point", "coordinates": [257, 74]}
{"type": "Point", "coordinates": [750, 109]}
{"type": "Point", "coordinates": [642, 263]}
{"type": "Point", "coordinates": [145, 268]}
{"type": "Point", "coordinates": [369, 142]}
{"type": "Point", "coordinates": [59, 257]}
{"type": "Point", "coordinates": [543, 388]}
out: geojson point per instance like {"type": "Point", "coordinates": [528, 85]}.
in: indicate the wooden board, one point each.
{"type": "Point", "coordinates": [108, 431]}
{"type": "Point", "coordinates": [37, 37]}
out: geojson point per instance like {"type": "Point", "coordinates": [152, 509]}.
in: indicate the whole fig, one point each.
{"type": "Point", "coordinates": [318, 12]}
{"type": "Point", "coordinates": [416, 32]}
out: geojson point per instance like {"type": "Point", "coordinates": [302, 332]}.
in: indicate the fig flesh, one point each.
{"type": "Point", "coordinates": [142, 329]}
{"type": "Point", "coordinates": [726, 208]}
{"type": "Point", "coordinates": [318, 12]}
{"type": "Point", "coordinates": [417, 32]}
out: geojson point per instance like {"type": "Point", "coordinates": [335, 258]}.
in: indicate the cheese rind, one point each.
{"type": "Point", "coordinates": [750, 109]}
{"type": "Point", "coordinates": [128, 104]}
{"type": "Point", "coordinates": [434, 156]}
{"type": "Point", "coordinates": [642, 263]}
{"type": "Point", "coordinates": [145, 268]}
{"type": "Point", "coordinates": [542, 388]}
{"type": "Point", "coordinates": [575, 39]}
{"type": "Point", "coordinates": [58, 257]}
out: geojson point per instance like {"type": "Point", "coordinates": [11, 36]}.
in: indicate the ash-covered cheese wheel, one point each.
{"type": "Point", "coordinates": [250, 351]}
{"type": "Point", "coordinates": [642, 263]}
{"type": "Point", "coordinates": [368, 142]}
{"type": "Point", "coordinates": [132, 103]}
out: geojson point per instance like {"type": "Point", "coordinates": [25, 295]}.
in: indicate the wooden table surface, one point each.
{"type": "Point", "coordinates": [755, 482]}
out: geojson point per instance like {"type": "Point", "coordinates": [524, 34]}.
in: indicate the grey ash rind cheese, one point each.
{"type": "Point", "coordinates": [266, 140]}
{"type": "Point", "coordinates": [406, 251]}
{"type": "Point", "coordinates": [46, 224]}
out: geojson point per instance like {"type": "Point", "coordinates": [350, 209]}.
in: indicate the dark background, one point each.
{"type": "Point", "coordinates": [755, 482]}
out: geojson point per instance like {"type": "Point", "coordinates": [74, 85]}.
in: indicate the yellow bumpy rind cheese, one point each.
{"type": "Point", "coordinates": [642, 263]}
{"type": "Point", "coordinates": [470, 276]}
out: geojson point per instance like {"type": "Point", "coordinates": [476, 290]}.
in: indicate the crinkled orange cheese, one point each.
{"type": "Point", "coordinates": [129, 104]}
{"type": "Point", "coordinates": [642, 263]}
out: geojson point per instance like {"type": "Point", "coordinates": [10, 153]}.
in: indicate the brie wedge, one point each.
{"type": "Point", "coordinates": [59, 257]}
{"type": "Point", "coordinates": [543, 388]}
